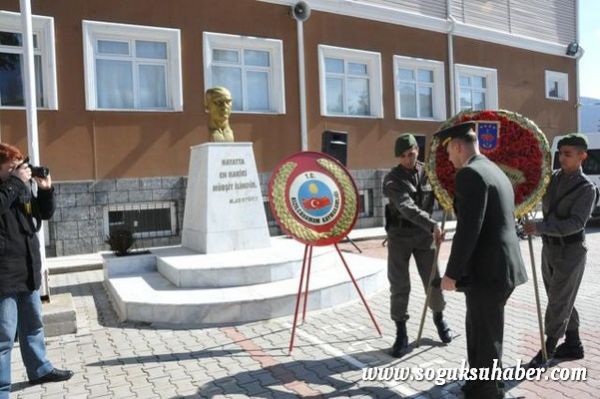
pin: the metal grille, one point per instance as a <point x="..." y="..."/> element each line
<point x="151" y="219"/>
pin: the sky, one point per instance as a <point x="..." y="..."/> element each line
<point x="589" y="36"/>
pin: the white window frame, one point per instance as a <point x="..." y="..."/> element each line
<point x="274" y="47"/>
<point x="373" y="61"/>
<point x="563" y="85"/>
<point x="94" y="30"/>
<point x="43" y="28"/>
<point x="491" y="76"/>
<point x="438" y="87"/>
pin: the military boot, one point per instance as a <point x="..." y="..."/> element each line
<point x="400" y="347"/>
<point x="571" y="348"/>
<point x="443" y="330"/>
<point x="538" y="360"/>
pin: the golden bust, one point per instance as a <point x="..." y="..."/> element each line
<point x="218" y="104"/>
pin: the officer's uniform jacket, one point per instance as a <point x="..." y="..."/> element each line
<point x="485" y="248"/>
<point x="410" y="199"/>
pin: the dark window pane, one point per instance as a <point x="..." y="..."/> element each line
<point x="11" y="82"/>
<point x="11" y="39"/>
<point x="591" y="165"/>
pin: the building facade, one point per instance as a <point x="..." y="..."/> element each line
<point x="120" y="90"/>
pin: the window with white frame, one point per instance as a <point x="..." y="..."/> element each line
<point x="132" y="67"/>
<point x="250" y="67"/>
<point x="12" y="62"/>
<point x="420" y="89"/>
<point x="557" y="85"/>
<point x="350" y="82"/>
<point x="476" y="87"/>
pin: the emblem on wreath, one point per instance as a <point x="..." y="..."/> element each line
<point x="512" y="141"/>
<point x="313" y="198"/>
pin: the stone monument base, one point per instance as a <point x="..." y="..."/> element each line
<point x="178" y="286"/>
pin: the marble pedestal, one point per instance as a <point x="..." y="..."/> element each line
<point x="224" y="208"/>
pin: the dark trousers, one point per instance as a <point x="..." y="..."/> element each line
<point x="485" y="333"/>
<point x="562" y="271"/>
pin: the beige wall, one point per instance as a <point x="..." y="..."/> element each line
<point x="79" y="144"/>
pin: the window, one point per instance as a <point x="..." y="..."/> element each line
<point x="144" y="220"/>
<point x="477" y="88"/>
<point x="365" y="203"/>
<point x="350" y="82"/>
<point x="421" y="142"/>
<point x="132" y="68"/>
<point x="12" y="64"/>
<point x="557" y="86"/>
<point x="420" y="89"/>
<point x="250" y="67"/>
<point x="591" y="166"/>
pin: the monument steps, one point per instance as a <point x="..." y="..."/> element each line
<point x="186" y="268"/>
<point x="147" y="296"/>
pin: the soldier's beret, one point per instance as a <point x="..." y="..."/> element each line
<point x="574" y="139"/>
<point x="452" y="132"/>
<point x="404" y="142"/>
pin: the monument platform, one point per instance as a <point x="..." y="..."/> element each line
<point x="179" y="286"/>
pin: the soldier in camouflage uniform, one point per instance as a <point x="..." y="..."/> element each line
<point x="567" y="206"/>
<point x="411" y="231"/>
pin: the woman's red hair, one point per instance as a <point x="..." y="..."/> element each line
<point x="9" y="153"/>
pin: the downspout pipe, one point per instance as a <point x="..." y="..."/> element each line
<point x="302" y="85"/>
<point x="451" y="26"/>
<point x="577" y="58"/>
<point x="31" y="115"/>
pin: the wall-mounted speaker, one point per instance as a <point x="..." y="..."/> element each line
<point x="300" y="11"/>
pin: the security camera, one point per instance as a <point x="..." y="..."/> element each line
<point x="300" y="11"/>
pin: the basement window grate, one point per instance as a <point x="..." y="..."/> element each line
<point x="145" y="220"/>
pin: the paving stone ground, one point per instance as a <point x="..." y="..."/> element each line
<point x="131" y="360"/>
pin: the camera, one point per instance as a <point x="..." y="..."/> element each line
<point x="37" y="171"/>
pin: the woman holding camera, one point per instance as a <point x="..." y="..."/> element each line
<point x="20" y="269"/>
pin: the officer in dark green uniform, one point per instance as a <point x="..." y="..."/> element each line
<point x="567" y="206"/>
<point x="411" y="232"/>
<point x="485" y="259"/>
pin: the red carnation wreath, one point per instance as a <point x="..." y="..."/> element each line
<point x="513" y="142"/>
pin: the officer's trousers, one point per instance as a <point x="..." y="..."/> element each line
<point x="484" y="324"/>
<point x="562" y="271"/>
<point x="402" y="244"/>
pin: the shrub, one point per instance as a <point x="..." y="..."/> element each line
<point x="120" y="241"/>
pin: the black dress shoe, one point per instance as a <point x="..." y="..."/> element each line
<point x="55" y="375"/>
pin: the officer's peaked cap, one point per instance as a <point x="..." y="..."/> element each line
<point x="453" y="132"/>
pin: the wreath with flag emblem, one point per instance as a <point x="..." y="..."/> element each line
<point x="512" y="141"/>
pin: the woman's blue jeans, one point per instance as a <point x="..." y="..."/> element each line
<point x="23" y="313"/>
